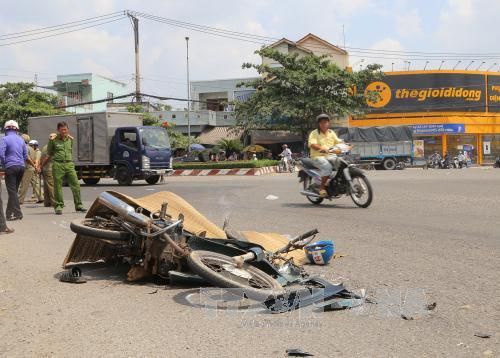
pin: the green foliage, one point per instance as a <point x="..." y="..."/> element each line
<point x="228" y="164"/>
<point x="147" y="118"/>
<point x="230" y="145"/>
<point x="291" y="96"/>
<point x="177" y="139"/>
<point x="19" y="101"/>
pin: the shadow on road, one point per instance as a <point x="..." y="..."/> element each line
<point x="308" y="205"/>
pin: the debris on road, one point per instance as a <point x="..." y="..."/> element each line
<point x="153" y="292"/>
<point x="297" y="352"/>
<point x="272" y="197"/>
<point x="482" y="335"/>
<point x="73" y="275"/>
<point x="432" y="306"/>
<point x="407" y="318"/>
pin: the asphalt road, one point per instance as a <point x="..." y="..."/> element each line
<point x="429" y="236"/>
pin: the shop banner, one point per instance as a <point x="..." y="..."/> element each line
<point x="494" y="93"/>
<point x="418" y="148"/>
<point x="438" y="129"/>
<point x="429" y="92"/>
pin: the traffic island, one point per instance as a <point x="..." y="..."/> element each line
<point x="241" y="168"/>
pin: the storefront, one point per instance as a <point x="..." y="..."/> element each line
<point x="450" y="111"/>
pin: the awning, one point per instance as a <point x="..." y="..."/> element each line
<point x="262" y="136"/>
<point x="212" y="136"/>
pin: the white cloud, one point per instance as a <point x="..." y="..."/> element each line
<point x="408" y="24"/>
<point x="469" y="26"/>
<point x="388" y="44"/>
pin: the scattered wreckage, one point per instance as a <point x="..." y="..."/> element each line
<point x="163" y="235"/>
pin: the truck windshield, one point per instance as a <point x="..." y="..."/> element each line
<point x="156" y="138"/>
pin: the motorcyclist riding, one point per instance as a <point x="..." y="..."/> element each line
<point x="286" y="156"/>
<point x="320" y="141"/>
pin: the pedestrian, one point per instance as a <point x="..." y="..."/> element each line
<point x="48" y="178"/>
<point x="60" y="150"/>
<point x="4" y="229"/>
<point x="30" y="175"/>
<point x="13" y="154"/>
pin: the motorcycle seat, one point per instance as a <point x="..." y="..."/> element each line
<point x="308" y="163"/>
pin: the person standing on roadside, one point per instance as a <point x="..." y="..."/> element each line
<point x="29" y="176"/>
<point x="13" y="154"/>
<point x="48" y="178"/>
<point x="60" y="150"/>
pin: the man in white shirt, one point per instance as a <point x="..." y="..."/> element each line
<point x="286" y="154"/>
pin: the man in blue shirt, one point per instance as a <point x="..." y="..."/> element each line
<point x="13" y="155"/>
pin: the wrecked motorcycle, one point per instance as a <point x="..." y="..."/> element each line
<point x="154" y="243"/>
<point x="347" y="179"/>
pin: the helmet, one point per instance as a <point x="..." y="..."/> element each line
<point x="323" y="116"/>
<point x="33" y="142"/>
<point x="26" y="138"/>
<point x="11" y="125"/>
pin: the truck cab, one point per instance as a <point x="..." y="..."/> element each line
<point x="140" y="153"/>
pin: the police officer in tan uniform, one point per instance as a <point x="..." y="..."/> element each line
<point x="48" y="178"/>
<point x="29" y="172"/>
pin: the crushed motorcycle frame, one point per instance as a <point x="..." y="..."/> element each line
<point x="175" y="247"/>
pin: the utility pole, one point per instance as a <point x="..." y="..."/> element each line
<point x="188" y="95"/>
<point x="135" y="25"/>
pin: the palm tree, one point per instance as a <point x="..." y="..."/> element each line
<point x="230" y="145"/>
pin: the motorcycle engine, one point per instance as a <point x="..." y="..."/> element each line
<point x="337" y="187"/>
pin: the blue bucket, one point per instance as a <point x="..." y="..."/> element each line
<point x="320" y="252"/>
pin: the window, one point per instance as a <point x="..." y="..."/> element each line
<point x="174" y="116"/>
<point x="129" y="138"/>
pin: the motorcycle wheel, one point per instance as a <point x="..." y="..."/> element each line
<point x="312" y="199"/>
<point x="363" y="190"/>
<point x="221" y="271"/>
<point x="98" y="229"/>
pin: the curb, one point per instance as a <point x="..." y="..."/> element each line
<point x="235" y="171"/>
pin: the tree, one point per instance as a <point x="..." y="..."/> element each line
<point x="147" y="118"/>
<point x="230" y="145"/>
<point x="19" y="101"/>
<point x="177" y="139"/>
<point x="292" y="95"/>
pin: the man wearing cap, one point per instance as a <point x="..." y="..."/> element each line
<point x="48" y="178"/>
<point x="13" y="155"/>
<point x="30" y="174"/>
<point x="60" y="150"/>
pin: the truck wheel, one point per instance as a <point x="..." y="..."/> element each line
<point x="389" y="164"/>
<point x="91" y="181"/>
<point x="123" y="176"/>
<point x="152" y="180"/>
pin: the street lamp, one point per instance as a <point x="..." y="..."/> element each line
<point x="469" y="65"/>
<point x="458" y="63"/>
<point x="489" y="68"/>
<point x="478" y="67"/>
<point x="443" y="61"/>
<point x="188" y="95"/>
<point x="392" y="69"/>
<point x="426" y="63"/>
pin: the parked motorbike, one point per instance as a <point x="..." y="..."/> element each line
<point x="497" y="163"/>
<point x="283" y="167"/>
<point x="157" y="244"/>
<point x="346" y="180"/>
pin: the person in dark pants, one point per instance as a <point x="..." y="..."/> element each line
<point x="13" y="154"/>
<point x="3" y="224"/>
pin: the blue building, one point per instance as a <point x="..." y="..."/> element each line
<point x="87" y="87"/>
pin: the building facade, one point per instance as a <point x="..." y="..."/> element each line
<point x="86" y="87"/>
<point x="449" y="111"/>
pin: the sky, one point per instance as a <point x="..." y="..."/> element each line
<point x="463" y="26"/>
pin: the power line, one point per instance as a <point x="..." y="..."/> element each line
<point x="57" y="28"/>
<point x="62" y="33"/>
